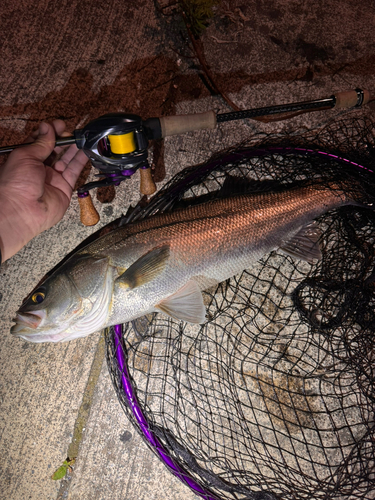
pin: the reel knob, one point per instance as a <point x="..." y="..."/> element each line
<point x="147" y="184"/>
<point x="88" y="214"/>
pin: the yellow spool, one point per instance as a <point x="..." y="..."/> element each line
<point x="122" y="144"/>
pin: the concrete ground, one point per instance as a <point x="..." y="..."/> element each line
<point x="77" y="60"/>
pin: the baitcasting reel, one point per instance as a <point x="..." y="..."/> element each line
<point x="117" y="145"/>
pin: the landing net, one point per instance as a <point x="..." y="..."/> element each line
<point x="272" y="398"/>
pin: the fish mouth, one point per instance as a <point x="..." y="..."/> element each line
<point x="27" y="323"/>
<point x="31" y="327"/>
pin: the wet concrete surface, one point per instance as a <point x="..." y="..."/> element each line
<point x="79" y="60"/>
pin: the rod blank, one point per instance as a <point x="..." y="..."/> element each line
<point x="63" y="141"/>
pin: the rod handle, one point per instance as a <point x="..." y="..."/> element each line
<point x="147" y="184"/>
<point x="174" y="125"/>
<point x="88" y="213"/>
<point x="352" y="98"/>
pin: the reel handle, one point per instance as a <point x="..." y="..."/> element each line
<point x="147" y="185"/>
<point x="88" y="214"/>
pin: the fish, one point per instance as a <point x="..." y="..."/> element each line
<point x="164" y="262"/>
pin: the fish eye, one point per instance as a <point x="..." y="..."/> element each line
<point x="38" y="297"/>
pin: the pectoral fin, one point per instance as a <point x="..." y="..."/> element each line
<point x="145" y="269"/>
<point x="186" y="304"/>
<point x="305" y="244"/>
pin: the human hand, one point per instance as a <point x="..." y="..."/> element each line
<point x="34" y="196"/>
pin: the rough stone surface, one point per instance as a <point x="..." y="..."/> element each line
<point x="78" y="60"/>
<point x="100" y="473"/>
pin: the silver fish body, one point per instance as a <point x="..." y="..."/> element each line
<point x="162" y="263"/>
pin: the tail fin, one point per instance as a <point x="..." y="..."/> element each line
<point x="354" y="192"/>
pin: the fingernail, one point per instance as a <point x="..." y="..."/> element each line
<point x="43" y="128"/>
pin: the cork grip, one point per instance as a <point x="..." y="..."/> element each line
<point x="349" y="99"/>
<point x="88" y="214"/>
<point x="173" y="125"/>
<point x="147" y="185"/>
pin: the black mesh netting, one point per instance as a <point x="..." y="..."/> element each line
<point x="272" y="398"/>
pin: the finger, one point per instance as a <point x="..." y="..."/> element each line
<point x="59" y="127"/>
<point x="66" y="158"/>
<point x="69" y="150"/>
<point x="61" y="190"/>
<point x="60" y="131"/>
<point x="32" y="136"/>
<point x="74" y="168"/>
<point x="42" y="147"/>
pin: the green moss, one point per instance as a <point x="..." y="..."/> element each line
<point x="63" y="469"/>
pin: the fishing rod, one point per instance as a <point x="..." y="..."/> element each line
<point x="117" y="143"/>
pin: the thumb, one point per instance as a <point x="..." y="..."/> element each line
<point x="44" y="144"/>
